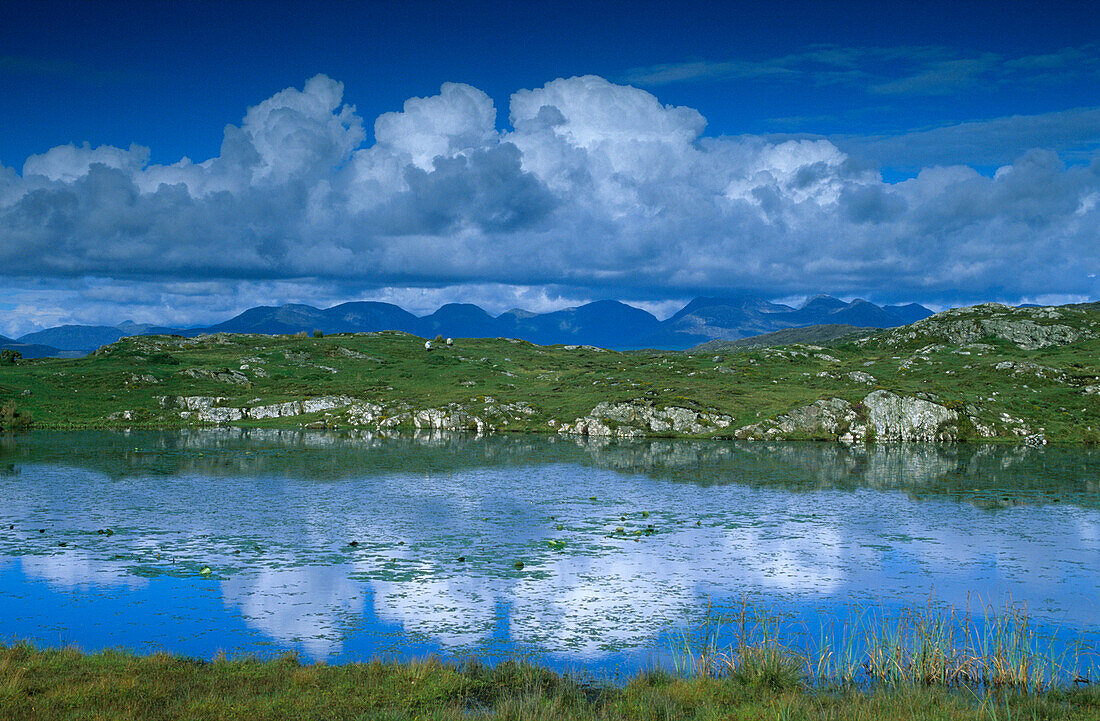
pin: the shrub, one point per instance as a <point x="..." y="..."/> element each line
<point x="163" y="359"/>
<point x="8" y="356"/>
<point x="318" y="334"/>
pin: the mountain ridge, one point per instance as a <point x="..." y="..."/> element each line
<point x="603" y="323"/>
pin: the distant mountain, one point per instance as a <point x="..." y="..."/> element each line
<point x="459" y="320"/>
<point x="910" y="312"/>
<point x="729" y="319"/>
<point x="75" y="337"/>
<point x="31" y="350"/>
<point x="605" y="323"/>
<point x="365" y="316"/>
<point x="270" y="320"/>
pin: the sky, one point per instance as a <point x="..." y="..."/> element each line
<point x="176" y="163"/>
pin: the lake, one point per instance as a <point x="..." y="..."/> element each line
<point x="579" y="553"/>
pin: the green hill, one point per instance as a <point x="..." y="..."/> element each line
<point x="987" y="372"/>
<point x="788" y="336"/>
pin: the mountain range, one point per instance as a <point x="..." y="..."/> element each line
<point x="605" y="323"/>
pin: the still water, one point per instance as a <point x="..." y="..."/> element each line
<point x="105" y="539"/>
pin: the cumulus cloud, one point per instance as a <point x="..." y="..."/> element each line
<point x="595" y="190"/>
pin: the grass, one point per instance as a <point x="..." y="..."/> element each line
<point x="119" y="386"/>
<point x="67" y="684"/>
<point x="932" y="646"/>
<point x="926" y="664"/>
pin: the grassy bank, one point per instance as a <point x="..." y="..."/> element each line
<point x="932" y="663"/>
<point x="66" y="684"/>
<point x="1007" y="374"/>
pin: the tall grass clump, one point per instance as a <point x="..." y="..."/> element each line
<point x="932" y="646"/>
<point x="756" y="657"/>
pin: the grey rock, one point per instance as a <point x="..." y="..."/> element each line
<point x="882" y="416"/>
<point x="638" y="418"/>
<point x="902" y="418"/>
<point x="226" y="375"/>
<point x="1027" y="328"/>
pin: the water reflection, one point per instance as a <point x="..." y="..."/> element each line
<point x="131" y="519"/>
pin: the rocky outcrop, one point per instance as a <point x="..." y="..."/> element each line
<point x="881" y="416"/>
<point x="1027" y="328"/>
<point x="861" y="377"/>
<point x="902" y="418"/>
<point x="143" y="379"/>
<point x="830" y="418"/>
<point x="212" y="409"/>
<point x="639" y="418"/>
<point x="226" y="375"/>
<point x="1019" y="368"/>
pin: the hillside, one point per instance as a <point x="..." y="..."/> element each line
<point x="988" y="372"/>
<point x="809" y="334"/>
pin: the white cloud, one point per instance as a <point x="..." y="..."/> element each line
<point x="597" y="190"/>
<point x="460" y="118"/>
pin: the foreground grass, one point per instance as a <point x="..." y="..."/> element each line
<point x="66" y="684"/>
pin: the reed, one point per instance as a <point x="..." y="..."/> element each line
<point x="931" y="646"/>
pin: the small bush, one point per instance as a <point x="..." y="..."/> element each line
<point x="8" y="356"/>
<point x="318" y="334"/>
<point x="163" y="359"/>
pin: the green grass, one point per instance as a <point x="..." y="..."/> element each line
<point x="67" y="684"/>
<point x="119" y="385"/>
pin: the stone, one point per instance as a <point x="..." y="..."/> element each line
<point x="639" y="418"/>
<point x="881" y="415"/>
<point x="226" y="375"/>
<point x="903" y="418"/>
<point x="1023" y="327"/>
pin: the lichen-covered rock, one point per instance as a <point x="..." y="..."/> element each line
<point x="143" y="379"/>
<point x="225" y="375"/>
<point x="903" y="418"/>
<point x="861" y="377"/>
<point x="638" y="418"/>
<point x="1028" y="368"/>
<point x="828" y="418"/>
<point x="881" y="415"/>
<point x="211" y="409"/>
<point x="1027" y="328"/>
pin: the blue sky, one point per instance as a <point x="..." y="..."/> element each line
<point x="938" y="152"/>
